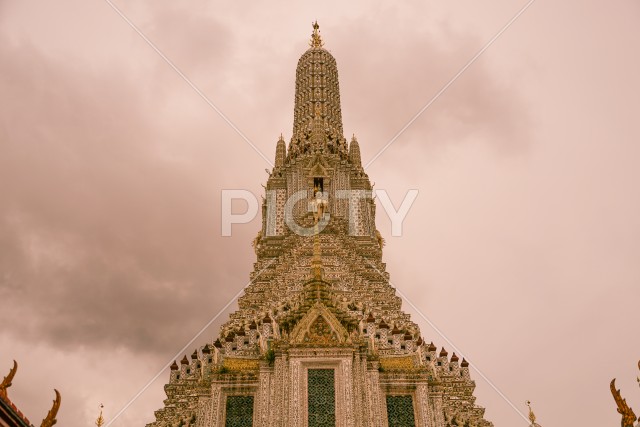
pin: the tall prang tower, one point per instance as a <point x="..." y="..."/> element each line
<point x="320" y="339"/>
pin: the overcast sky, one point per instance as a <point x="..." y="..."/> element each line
<point x="523" y="246"/>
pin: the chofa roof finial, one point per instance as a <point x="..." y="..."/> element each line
<point x="50" y="420"/>
<point x="6" y="382"/>
<point x="628" y="416"/>
<point x="316" y="40"/>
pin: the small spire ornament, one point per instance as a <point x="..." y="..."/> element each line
<point x="316" y="40"/>
<point x="100" y="420"/>
<point x="532" y="416"/>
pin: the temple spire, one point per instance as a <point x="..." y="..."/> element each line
<point x="281" y="152"/>
<point x="354" y="152"/>
<point x="317" y="91"/>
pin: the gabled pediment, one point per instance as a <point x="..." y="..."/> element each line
<point x="318" y="167"/>
<point x="319" y="326"/>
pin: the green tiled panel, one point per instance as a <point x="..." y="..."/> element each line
<point x="322" y="397"/>
<point x="239" y="411"/>
<point x="400" y="411"/>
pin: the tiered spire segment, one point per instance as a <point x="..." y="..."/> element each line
<point x="354" y="152"/>
<point x="281" y="152"/>
<point x="317" y="99"/>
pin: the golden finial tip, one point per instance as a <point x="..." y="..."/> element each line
<point x="316" y="40"/>
<point x="100" y="420"/>
<point x="532" y="416"/>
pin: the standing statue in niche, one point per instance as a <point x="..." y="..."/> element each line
<point x="320" y="203"/>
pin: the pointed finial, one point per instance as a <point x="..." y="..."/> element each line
<point x="628" y="416"/>
<point x="6" y="382"/>
<point x="316" y="40"/>
<point x="50" y="419"/>
<point x="100" y="420"/>
<point x="532" y="416"/>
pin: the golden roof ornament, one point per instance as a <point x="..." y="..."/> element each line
<point x="50" y="419"/>
<point x="628" y="416"/>
<point x="532" y="416"/>
<point x="100" y="420"/>
<point x="6" y="382"/>
<point x="316" y="40"/>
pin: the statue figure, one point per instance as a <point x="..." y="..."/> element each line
<point x="330" y="146"/>
<point x="380" y="239"/>
<point x="448" y="417"/>
<point x="322" y="200"/>
<point x="256" y="242"/>
<point x="458" y="420"/>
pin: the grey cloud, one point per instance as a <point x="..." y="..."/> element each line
<point x="100" y="243"/>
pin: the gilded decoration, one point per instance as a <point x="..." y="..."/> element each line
<point x="50" y="419"/>
<point x="628" y="416"/>
<point x="319" y="326"/>
<point x="316" y="40"/>
<point x="237" y="364"/>
<point x="404" y="363"/>
<point x="6" y="382"/>
<point x="320" y="332"/>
